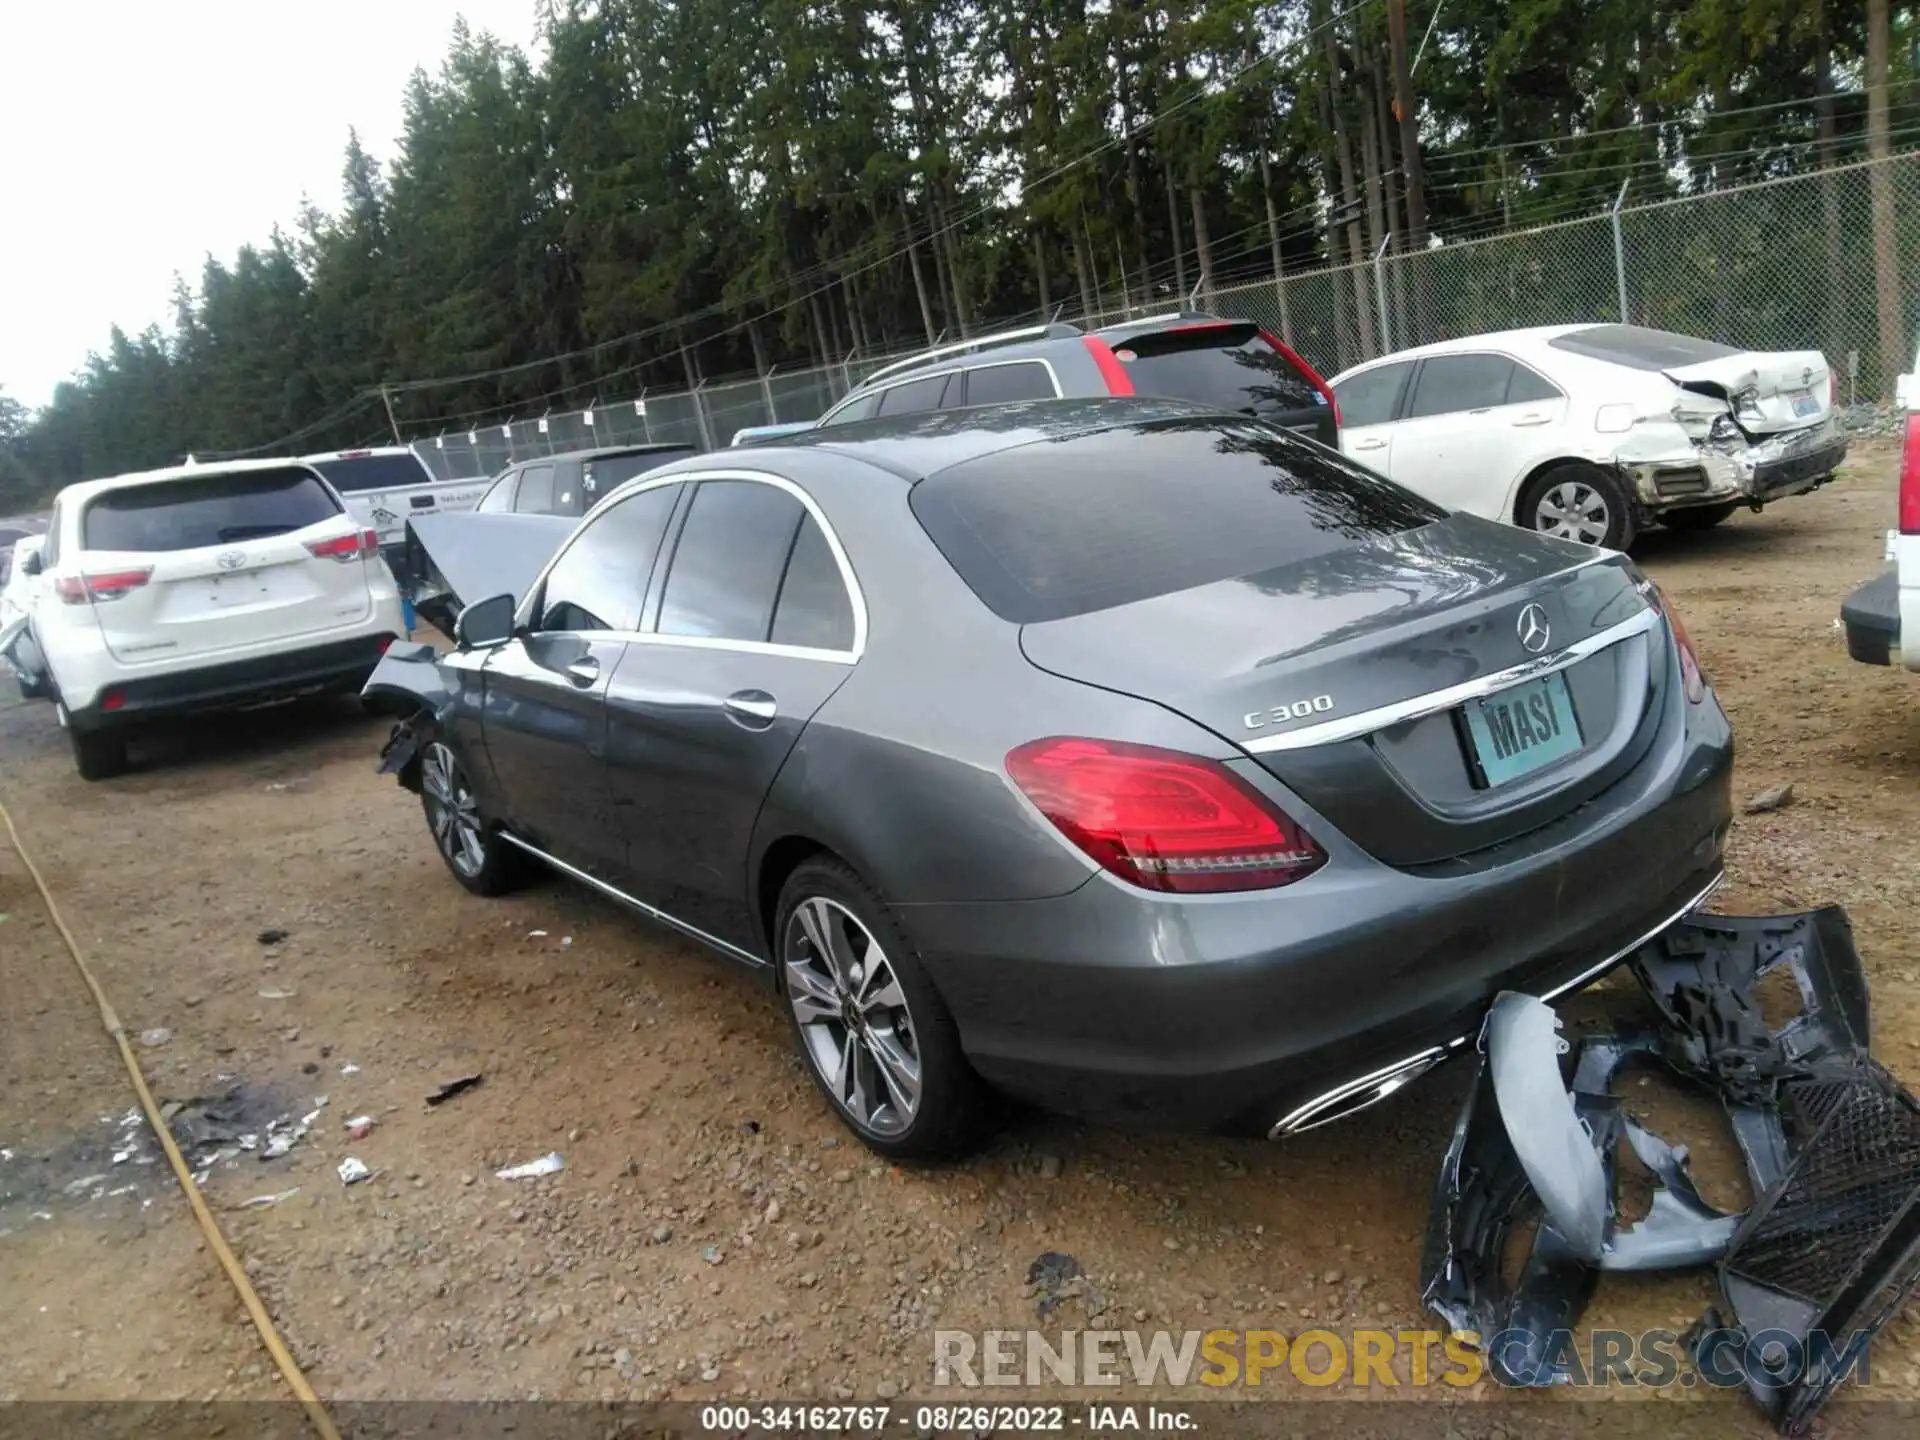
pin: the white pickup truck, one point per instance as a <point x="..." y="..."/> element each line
<point x="386" y="487"/>
<point x="1880" y="611"/>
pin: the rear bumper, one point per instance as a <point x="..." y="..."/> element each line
<point x="1871" y="615"/>
<point x="1713" y="473"/>
<point x="235" y="685"/>
<point x="1239" y="1013"/>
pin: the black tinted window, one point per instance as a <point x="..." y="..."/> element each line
<point x="205" y="510"/>
<point x="1450" y="384"/>
<point x="860" y="408"/>
<point x="1529" y="385"/>
<point x="727" y="566"/>
<point x="499" y="496"/>
<point x="1004" y="384"/>
<point x="601" y="580"/>
<point x="372" y="472"/>
<point x="609" y="470"/>
<point x="1640" y="348"/>
<point x="914" y="395"/>
<point x="536" y="491"/>
<point x="1372" y="397"/>
<point x="1059" y="528"/>
<point x="1231" y="366"/>
<point x="814" y="608"/>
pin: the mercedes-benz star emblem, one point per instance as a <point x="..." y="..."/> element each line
<point x="231" y="559"/>
<point x="1534" y="631"/>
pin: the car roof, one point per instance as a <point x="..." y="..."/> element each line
<point x="918" y="445"/>
<point x="87" y="489"/>
<point x="364" y="452"/>
<point x="1527" y="341"/>
<point x="602" y="452"/>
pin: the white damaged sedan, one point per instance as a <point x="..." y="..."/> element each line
<point x="1589" y="432"/>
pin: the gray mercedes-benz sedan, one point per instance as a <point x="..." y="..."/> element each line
<point x="1138" y="760"/>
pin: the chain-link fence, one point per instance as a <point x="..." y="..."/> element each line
<point x="1788" y="264"/>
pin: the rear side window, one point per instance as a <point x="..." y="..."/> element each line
<point x="814" y="608"/>
<point x="1454" y="384"/>
<point x="1006" y="384"/>
<point x="1233" y="367"/>
<point x="610" y="470"/>
<point x="1373" y="396"/>
<point x="536" y="491"/>
<point x="1639" y="348"/>
<point x="203" y="510"/>
<point x="729" y="560"/>
<point x="912" y="396"/>
<point x="601" y="580"/>
<point x="1527" y="386"/>
<point x="499" y="496"/>
<point x="1064" y="527"/>
<point x="351" y="473"/>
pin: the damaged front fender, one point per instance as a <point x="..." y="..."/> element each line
<point x="413" y="680"/>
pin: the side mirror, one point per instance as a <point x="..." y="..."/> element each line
<point x="30" y="563"/>
<point x="486" y="623"/>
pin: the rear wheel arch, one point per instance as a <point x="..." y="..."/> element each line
<point x="1623" y="506"/>
<point x="1525" y="482"/>
<point x="780" y="859"/>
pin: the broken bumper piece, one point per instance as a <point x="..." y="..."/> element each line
<point x="1831" y="1143"/>
<point x="1715" y="471"/>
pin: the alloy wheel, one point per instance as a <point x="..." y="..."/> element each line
<point x="1573" y="510"/>
<point x="452" y="812"/>
<point x="853" y="1016"/>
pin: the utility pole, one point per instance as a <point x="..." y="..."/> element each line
<point x="1404" y="112"/>
<point x="392" y="424"/>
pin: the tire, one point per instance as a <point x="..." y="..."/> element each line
<point x="1579" y="501"/>
<point x="98" y="754"/>
<point x="1697" y="517"/>
<point x="471" y="847"/>
<point x="912" y="1094"/>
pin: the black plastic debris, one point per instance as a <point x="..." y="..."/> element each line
<point x="271" y="936"/>
<point x="454" y="1087"/>
<point x="1822" y="1260"/>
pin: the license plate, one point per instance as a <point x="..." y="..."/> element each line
<point x="1522" y="729"/>
<point x="1804" y="402"/>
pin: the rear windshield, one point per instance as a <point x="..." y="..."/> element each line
<point x="1640" y="349"/>
<point x="373" y="472"/>
<point x="205" y="510"/>
<point x="1057" y="528"/>
<point x="609" y="470"/>
<point x="1229" y="366"/>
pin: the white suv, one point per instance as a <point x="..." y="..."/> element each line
<point x="207" y="587"/>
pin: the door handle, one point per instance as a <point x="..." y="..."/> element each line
<point x="1533" y="420"/>
<point x="754" y="709"/>
<point x="584" y="672"/>
<point x="1369" y="444"/>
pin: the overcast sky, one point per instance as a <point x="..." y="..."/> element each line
<point x="141" y="135"/>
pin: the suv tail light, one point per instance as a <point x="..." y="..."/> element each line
<point x="1160" y="819"/>
<point x="346" y="547"/>
<point x="1293" y="359"/>
<point x="1910" y="478"/>
<point x="108" y="585"/>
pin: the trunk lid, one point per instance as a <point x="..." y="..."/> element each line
<point x="1769" y="391"/>
<point x="1348" y="676"/>
<point x="213" y="563"/>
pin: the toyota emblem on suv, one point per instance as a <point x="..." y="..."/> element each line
<point x="230" y="559"/>
<point x="1534" y="631"/>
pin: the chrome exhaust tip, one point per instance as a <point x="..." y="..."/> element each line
<point x="1357" y="1095"/>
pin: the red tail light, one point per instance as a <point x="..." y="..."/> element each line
<point x="1293" y="358"/>
<point x="1115" y="375"/>
<point x="1910" y="478"/>
<point x="1160" y="819"/>
<point x="109" y="585"/>
<point x="346" y="547"/>
<point x="113" y="700"/>
<point x="1692" y="678"/>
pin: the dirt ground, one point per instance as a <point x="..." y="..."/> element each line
<point x="715" y="1233"/>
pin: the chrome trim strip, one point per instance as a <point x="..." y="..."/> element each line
<point x="613" y="893"/>
<point x="1390" y="1078"/>
<point x="1349" y="727"/>
<point x="855" y="595"/>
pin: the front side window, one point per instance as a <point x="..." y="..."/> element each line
<point x="536" y="491"/>
<point x="860" y="407"/>
<point x="1373" y="396"/>
<point x="910" y="397"/>
<point x="499" y="497"/>
<point x="729" y="561"/>
<point x="599" y="583"/>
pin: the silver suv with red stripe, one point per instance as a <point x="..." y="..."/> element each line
<point x="1231" y="365"/>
